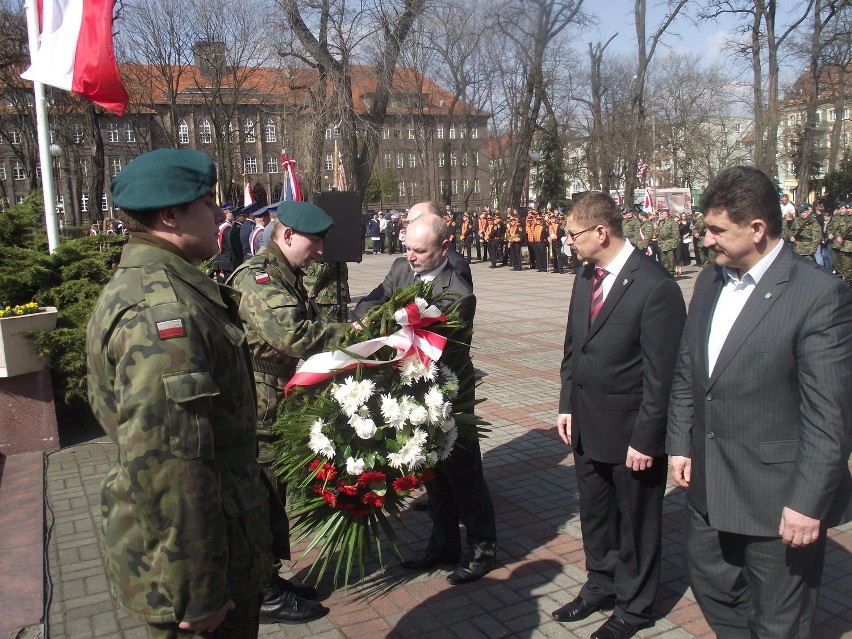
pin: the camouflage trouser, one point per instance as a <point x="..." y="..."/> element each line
<point x="843" y="264"/>
<point x="243" y="622"/>
<point x="669" y="259"/>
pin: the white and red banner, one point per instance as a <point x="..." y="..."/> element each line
<point x="648" y="207"/>
<point x="76" y="52"/>
<point x="410" y="339"/>
<point x="291" y="191"/>
<point x="248" y="195"/>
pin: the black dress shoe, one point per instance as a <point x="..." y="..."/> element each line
<point x="285" y="607"/>
<point x="300" y="590"/>
<point x="616" y="628"/>
<point x="575" y="610"/>
<point x="427" y="562"/>
<point x="476" y="569"/>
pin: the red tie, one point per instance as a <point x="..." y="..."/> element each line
<point x="597" y="293"/>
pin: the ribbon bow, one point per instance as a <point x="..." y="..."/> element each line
<point x="410" y="339"/>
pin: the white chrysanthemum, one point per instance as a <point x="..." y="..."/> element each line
<point x="411" y="454"/>
<point x="434" y="398"/>
<point x="449" y="424"/>
<point x="418" y="415"/>
<point x="351" y="395"/>
<point x="320" y="444"/>
<point x="410" y="369"/>
<point x="364" y="427"/>
<point x="450" y="437"/>
<point x="354" y="466"/>
<point x="430" y="372"/>
<point x="406" y="404"/>
<point x="392" y="412"/>
<point x="317" y="426"/>
<point x="447" y="410"/>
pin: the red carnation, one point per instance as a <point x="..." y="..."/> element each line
<point x="326" y="473"/>
<point x="329" y="497"/>
<point x="374" y="500"/>
<point x="314" y="465"/>
<point x="371" y="477"/>
<point x="406" y="483"/>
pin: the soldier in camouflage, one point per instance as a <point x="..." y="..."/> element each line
<point x="283" y="326"/>
<point x="320" y="280"/>
<point x="185" y="511"/>
<point x="668" y="234"/>
<point x="631" y="227"/>
<point x="806" y="234"/>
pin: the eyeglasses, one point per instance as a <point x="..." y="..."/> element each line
<point x="574" y="236"/>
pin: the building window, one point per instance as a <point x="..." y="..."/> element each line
<point x="465" y="185"/>
<point x="204" y="132"/>
<point x="183" y="132"/>
<point x="452" y="131"/>
<point x="16" y="137"/>
<point x="844" y="140"/>
<point x="402" y="189"/>
<point x="248" y="129"/>
<point x="114" y="166"/>
<point x="410" y="134"/>
<point x="386" y="133"/>
<point x="412" y="160"/>
<point x="387" y="158"/>
<point x="476" y="187"/>
<point x="104" y="203"/>
<point x="454" y="159"/>
<point x="441" y="158"/>
<point x="249" y="166"/>
<point x="18" y="172"/>
<point x="112" y="132"/>
<point x="272" y="165"/>
<point x="328" y="134"/>
<point x="397" y="134"/>
<point x="400" y="160"/>
<point x="329" y="162"/>
<point x="791" y="120"/>
<point x="38" y="172"/>
<point x="269" y="132"/>
<point x="77" y="133"/>
<point x="442" y="187"/>
<point x="129" y="133"/>
<point x="439" y="131"/>
<point x="84" y="203"/>
<point x="462" y="132"/>
<point x="455" y="186"/>
<point x="832" y="115"/>
<point x="737" y="127"/>
<point x="475" y="157"/>
<point x="464" y="159"/>
<point x="474" y="133"/>
<point x="412" y="189"/>
<point x="2" y="171"/>
<point x="846" y="114"/>
<point x="84" y="168"/>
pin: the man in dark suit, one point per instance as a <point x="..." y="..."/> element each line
<point x="624" y="324"/>
<point x="457" y="261"/>
<point x="458" y="490"/>
<point x="759" y="419"/>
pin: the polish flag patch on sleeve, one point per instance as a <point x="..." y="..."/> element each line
<point x="262" y="278"/>
<point x="170" y="329"/>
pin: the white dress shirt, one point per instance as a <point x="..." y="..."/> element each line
<point x="614" y="267"/>
<point x="732" y="299"/>
<point x="431" y="275"/>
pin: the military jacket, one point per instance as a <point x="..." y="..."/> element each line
<point x="699" y="227"/>
<point x="185" y="515"/>
<point x="667" y="235"/>
<point x="808" y="236"/>
<point x="320" y="281"/>
<point x="646" y="234"/>
<point x="631" y="230"/>
<point x="281" y="325"/>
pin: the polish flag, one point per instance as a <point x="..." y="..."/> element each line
<point x="76" y="53"/>
<point x="248" y="195"/>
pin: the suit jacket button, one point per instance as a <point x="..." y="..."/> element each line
<point x="709" y="397"/>
<point x="711" y="435"/>
<point x="583" y="352"/>
<point x="580" y="386"/>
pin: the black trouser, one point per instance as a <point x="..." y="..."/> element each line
<point x="468" y="243"/>
<point x="515" y="255"/>
<point x="478" y="245"/>
<point x="493" y="252"/>
<point x="540" y="252"/>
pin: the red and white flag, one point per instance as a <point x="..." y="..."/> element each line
<point x="648" y="207"/>
<point x="248" y="195"/>
<point x="76" y="53"/>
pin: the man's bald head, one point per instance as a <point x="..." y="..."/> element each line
<point x="426" y="243"/>
<point x="421" y="208"/>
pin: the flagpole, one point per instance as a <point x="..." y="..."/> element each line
<point x="43" y="136"/>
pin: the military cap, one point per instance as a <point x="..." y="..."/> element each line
<point x="266" y="210"/>
<point x="304" y="217"/>
<point x="162" y="178"/>
<point x="803" y="207"/>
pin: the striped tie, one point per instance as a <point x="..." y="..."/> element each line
<point x="597" y="293"/>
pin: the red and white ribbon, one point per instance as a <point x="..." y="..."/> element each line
<point x="408" y="340"/>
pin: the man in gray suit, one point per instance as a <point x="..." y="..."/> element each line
<point x="759" y="418"/>
<point x="458" y="490"/>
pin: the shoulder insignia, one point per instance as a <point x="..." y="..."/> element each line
<point x="262" y="278"/>
<point x="171" y="328"/>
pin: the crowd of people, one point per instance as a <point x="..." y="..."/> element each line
<point x="747" y="407"/>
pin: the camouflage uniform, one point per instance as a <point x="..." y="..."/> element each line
<point x="667" y="237"/>
<point x="808" y="235"/>
<point x="843" y="242"/>
<point x="631" y="230"/>
<point x="705" y="255"/>
<point x="186" y="518"/>
<point x="282" y="327"/>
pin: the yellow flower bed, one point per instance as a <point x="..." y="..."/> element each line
<point x="23" y="309"/>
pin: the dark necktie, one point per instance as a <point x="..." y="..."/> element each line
<point x="597" y="293"/>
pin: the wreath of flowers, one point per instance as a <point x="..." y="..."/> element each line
<point x="353" y="448"/>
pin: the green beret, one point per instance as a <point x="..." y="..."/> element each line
<point x="304" y="217"/>
<point x="162" y="178"/>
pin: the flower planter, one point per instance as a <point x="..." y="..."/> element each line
<point x="16" y="354"/>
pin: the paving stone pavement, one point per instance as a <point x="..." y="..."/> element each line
<point x="519" y="327"/>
